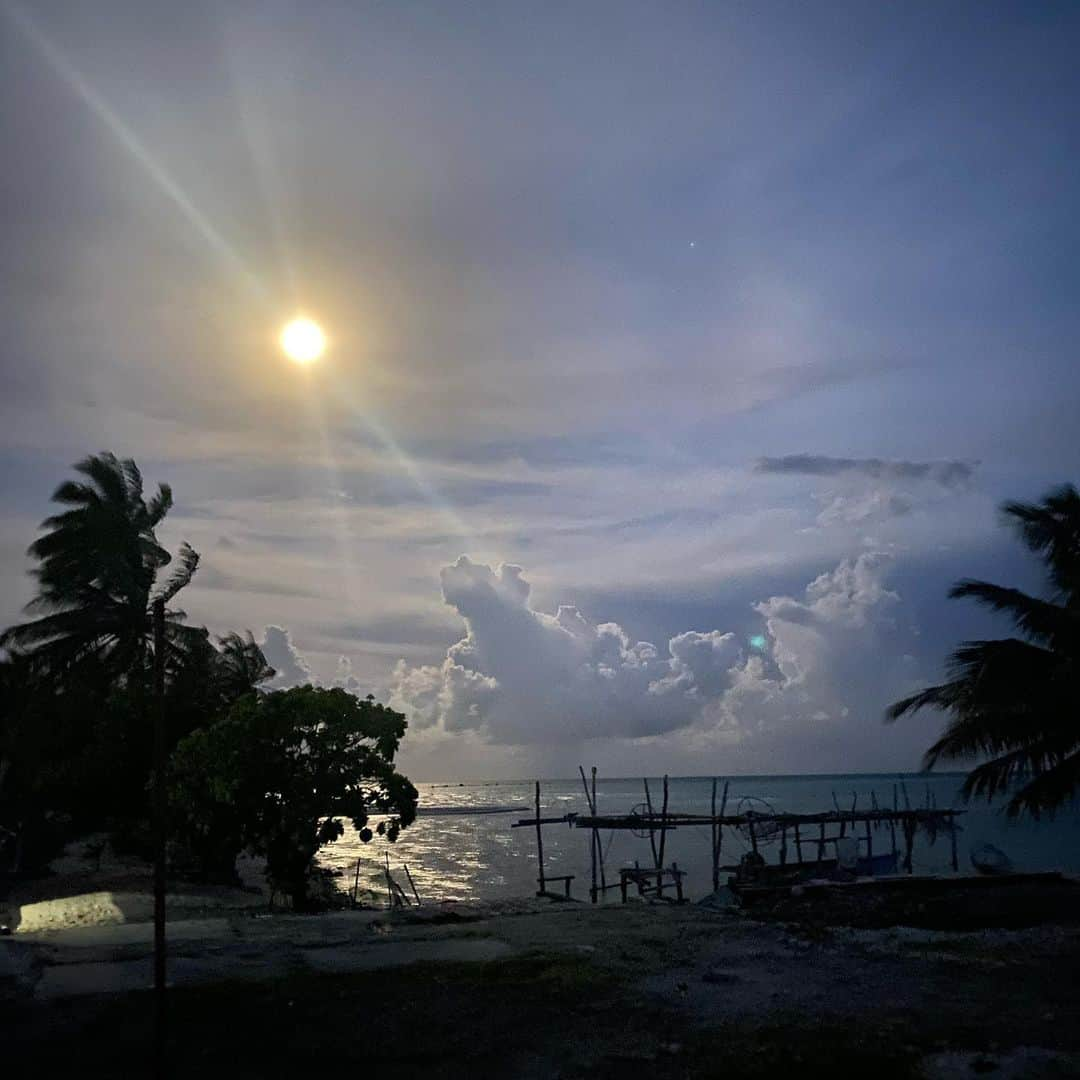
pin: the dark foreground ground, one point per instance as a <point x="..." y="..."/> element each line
<point x="632" y="991"/>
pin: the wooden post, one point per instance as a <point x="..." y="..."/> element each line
<point x="839" y="814"/>
<point x="798" y="844"/>
<point x="539" y="845"/>
<point x="753" y="834"/>
<point x="952" y="837"/>
<point x="412" y="884"/>
<point x="593" y="833"/>
<point x="596" y="833"/>
<point x="909" y="840"/>
<point x="892" y="821"/>
<point x="356" y="883"/>
<point x="712" y="836"/>
<point x="652" y="835"/>
<point x="821" y="843"/>
<point x="389" y="882"/>
<point x="783" y="846"/>
<point x="870" y="847"/>
<point x="678" y="882"/>
<point x="663" y="841"/>
<point x="160" y="1002"/>
<point x="718" y="840"/>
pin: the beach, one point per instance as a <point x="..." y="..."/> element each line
<point x="536" y="989"/>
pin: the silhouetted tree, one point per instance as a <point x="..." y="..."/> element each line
<point x="279" y="772"/>
<point x="241" y="666"/>
<point x="1016" y="701"/>
<point x="97" y="575"/>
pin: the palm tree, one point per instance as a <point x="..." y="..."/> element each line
<point x="1016" y="701"/>
<point x="97" y="578"/>
<point x="241" y="666"/>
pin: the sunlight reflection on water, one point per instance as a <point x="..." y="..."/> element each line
<point x="481" y="857"/>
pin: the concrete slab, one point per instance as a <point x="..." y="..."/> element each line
<point x="244" y="961"/>
<point x="140" y="933"/>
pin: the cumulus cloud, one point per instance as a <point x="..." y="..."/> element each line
<point x="282" y="655"/>
<point x="521" y="676"/>
<point x="524" y="676"/>
<point x="948" y="474"/>
<point x="836" y="657"/>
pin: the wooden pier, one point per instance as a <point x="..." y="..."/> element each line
<point x="807" y="837"/>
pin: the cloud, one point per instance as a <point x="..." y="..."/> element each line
<point x="866" y="490"/>
<point x="835" y="658"/>
<point x="524" y="676"/>
<point x="829" y="659"/>
<point x="282" y="655"/>
<point x="948" y="474"/>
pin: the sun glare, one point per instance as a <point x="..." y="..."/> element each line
<point x="303" y="341"/>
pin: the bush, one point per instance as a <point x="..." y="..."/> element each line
<point x="280" y="774"/>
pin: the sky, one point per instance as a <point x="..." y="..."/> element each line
<point x="680" y="355"/>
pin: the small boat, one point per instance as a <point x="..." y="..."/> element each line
<point x="446" y="811"/>
<point x="991" y="860"/>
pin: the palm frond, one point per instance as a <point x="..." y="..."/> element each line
<point x="1049" y="623"/>
<point x="1050" y="789"/>
<point x="159" y="505"/>
<point x="187" y="559"/>
<point x="1051" y="528"/>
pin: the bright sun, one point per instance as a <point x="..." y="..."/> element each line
<point x="303" y="340"/>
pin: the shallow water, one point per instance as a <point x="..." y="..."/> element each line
<point x="482" y="858"/>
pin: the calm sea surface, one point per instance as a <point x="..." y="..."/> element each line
<point x="483" y="858"/>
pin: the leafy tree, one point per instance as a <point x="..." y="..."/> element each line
<point x="1016" y="701"/>
<point x="99" y="562"/>
<point x="280" y="773"/>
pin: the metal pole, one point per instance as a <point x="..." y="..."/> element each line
<point x="160" y="1010"/>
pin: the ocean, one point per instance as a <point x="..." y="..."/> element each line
<point x="471" y="858"/>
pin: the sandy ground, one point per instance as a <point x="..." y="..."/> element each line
<point x="1010" y="993"/>
<point x="641" y="986"/>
